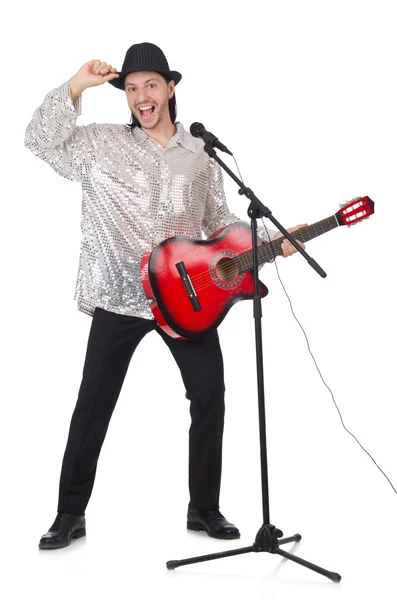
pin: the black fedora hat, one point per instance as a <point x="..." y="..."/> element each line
<point x="144" y="57"/>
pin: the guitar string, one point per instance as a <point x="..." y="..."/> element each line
<point x="246" y="260"/>
<point x="204" y="279"/>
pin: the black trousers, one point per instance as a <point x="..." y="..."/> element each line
<point x="112" y="341"/>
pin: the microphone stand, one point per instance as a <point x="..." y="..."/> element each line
<point x="268" y="538"/>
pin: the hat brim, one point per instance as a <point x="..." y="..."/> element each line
<point x="119" y="81"/>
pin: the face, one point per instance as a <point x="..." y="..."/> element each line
<point x="148" y="94"/>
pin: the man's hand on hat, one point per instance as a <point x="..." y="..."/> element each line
<point x="92" y="73"/>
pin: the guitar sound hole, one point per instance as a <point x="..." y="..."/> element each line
<point x="226" y="269"/>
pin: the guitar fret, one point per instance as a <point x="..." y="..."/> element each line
<point x="269" y="250"/>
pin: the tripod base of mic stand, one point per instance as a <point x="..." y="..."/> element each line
<point x="267" y="540"/>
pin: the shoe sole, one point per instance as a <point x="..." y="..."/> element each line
<point x="198" y="527"/>
<point x="77" y="534"/>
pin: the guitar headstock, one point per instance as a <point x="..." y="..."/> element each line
<point x="356" y="210"/>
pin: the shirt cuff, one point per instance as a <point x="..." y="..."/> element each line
<point x="70" y="108"/>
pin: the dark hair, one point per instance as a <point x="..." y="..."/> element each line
<point x="171" y="107"/>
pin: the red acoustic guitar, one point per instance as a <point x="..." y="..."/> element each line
<point x="191" y="284"/>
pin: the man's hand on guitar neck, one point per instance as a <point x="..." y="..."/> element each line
<point x="286" y="246"/>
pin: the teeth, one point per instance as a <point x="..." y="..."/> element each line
<point x="146" y="107"/>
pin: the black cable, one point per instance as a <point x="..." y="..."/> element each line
<point x="311" y="354"/>
<point x="314" y="360"/>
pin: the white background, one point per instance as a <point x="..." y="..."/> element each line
<point x="304" y="94"/>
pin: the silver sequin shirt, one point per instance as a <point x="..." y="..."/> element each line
<point x="135" y="193"/>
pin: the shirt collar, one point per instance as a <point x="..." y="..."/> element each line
<point x="180" y="138"/>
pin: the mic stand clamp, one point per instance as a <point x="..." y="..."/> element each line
<point x="268" y="538"/>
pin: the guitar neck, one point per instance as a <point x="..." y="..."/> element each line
<point x="269" y="250"/>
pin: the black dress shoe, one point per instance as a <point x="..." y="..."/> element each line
<point x="213" y="522"/>
<point x="64" y="528"/>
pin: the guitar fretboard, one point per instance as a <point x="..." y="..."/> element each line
<point x="268" y="251"/>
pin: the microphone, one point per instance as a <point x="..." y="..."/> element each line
<point x="198" y="130"/>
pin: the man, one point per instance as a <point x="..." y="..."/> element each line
<point x="140" y="184"/>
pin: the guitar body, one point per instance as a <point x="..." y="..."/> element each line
<point x="215" y="280"/>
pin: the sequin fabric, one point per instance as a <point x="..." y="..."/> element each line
<point x="135" y="193"/>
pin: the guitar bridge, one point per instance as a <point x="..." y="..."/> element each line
<point x="188" y="285"/>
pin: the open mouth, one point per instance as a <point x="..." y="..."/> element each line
<point x="146" y="111"/>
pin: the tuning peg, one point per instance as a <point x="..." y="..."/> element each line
<point x="350" y="201"/>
